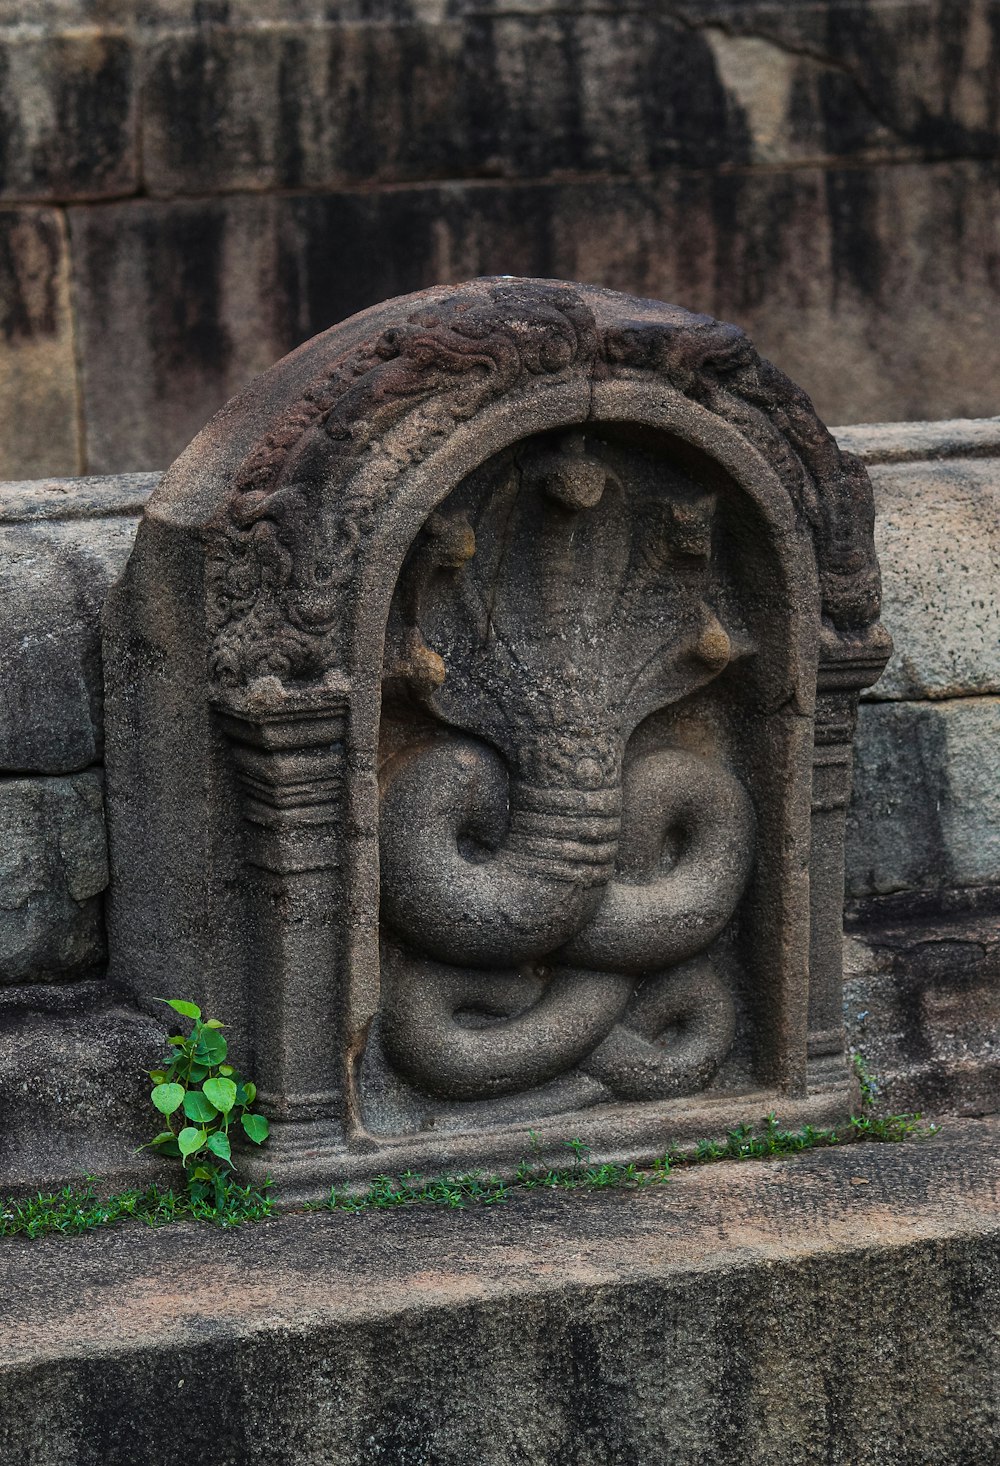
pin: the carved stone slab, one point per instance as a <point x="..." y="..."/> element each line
<point x="481" y="691"/>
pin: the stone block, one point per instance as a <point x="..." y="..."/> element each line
<point x="907" y="79"/>
<point x="910" y="442"/>
<point x="840" y="1307"/>
<point x="54" y="576"/>
<point x="74" y="1086"/>
<point x="503" y="95"/>
<point x="925" y="812"/>
<point x="922" y="1000"/>
<point x="116" y="496"/>
<point x="68" y="112"/>
<point x="38" y="388"/>
<point x="415" y="92"/>
<point x="938" y="534"/>
<point x="53" y="873"/>
<point x="180" y="303"/>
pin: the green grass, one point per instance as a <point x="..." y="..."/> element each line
<point x="76" y="1210"/>
<point x="743" y="1143"/>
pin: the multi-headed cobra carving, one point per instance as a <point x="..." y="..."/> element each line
<point x="549" y="900"/>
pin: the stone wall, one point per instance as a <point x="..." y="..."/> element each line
<point x="923" y="867"/>
<point x="189" y="189"/>
<point x="923" y="858"/>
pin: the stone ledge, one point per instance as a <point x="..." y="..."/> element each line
<point x="840" y="1307"/>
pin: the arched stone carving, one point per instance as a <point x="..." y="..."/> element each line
<point x="487" y="675"/>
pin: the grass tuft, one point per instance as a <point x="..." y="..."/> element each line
<point x="75" y="1210"/>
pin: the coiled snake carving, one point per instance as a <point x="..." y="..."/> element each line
<point x="549" y="902"/>
<point x="570" y="974"/>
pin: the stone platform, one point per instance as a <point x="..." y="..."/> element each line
<point x="839" y="1307"/>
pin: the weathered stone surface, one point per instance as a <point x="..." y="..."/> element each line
<point x="937" y="532"/>
<point x="74" y="1091"/>
<point x="181" y="303"/>
<point x="939" y="543"/>
<point x="761" y="161"/>
<point x="38" y="387"/>
<point x="494" y="91"/>
<point x="116" y="496"/>
<point x="840" y="1307"/>
<point x="922" y="999"/>
<point x="54" y="576"/>
<point x="53" y="873"/>
<point x="910" y="442"/>
<point x="925" y="812"/>
<point x="529" y="551"/>
<point x="67" y="113"/>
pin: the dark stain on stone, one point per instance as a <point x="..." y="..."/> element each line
<point x="856" y="247"/>
<point x="8" y="122"/>
<point x="290" y="156"/>
<point x="210" y="12"/>
<point x="30" y="256"/>
<point x="483" y="98"/>
<point x="183" y="253"/>
<point x="689" y="118"/>
<point x="848" y="126"/>
<point x="725" y="197"/>
<point x="188" y="90"/>
<point x="353" y="250"/>
<point x="92" y="110"/>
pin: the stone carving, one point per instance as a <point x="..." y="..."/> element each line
<point x="552" y="893"/>
<point x="496" y="658"/>
<point x="280" y="567"/>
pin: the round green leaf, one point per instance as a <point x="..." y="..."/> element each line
<point x="221" y="1092"/>
<point x="158" y="1076"/>
<point x="256" y="1127"/>
<point x="211" y="1047"/>
<point x="226" y="1069"/>
<point x="198" y="1107"/>
<point x="186" y="1010"/>
<point x="190" y="1140"/>
<point x="167" y="1097"/>
<point x="219" y="1145"/>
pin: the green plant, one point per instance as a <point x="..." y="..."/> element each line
<point x="74" y="1210"/>
<point x="867" y="1083"/>
<point x="200" y="1096"/>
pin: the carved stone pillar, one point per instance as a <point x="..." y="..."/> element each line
<point x="288" y="757"/>
<point x="846" y="666"/>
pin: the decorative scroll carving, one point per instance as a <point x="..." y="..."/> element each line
<point x="277" y="574"/>
<point x="280" y="563"/>
<point x="551" y="887"/>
